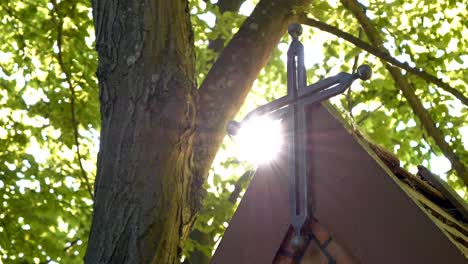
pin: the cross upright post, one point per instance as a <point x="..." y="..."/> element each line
<point x="298" y="179"/>
<point x="293" y="106"/>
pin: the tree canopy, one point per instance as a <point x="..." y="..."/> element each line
<point x="415" y="105"/>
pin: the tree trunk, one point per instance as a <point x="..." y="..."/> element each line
<point x="149" y="179"/>
<point x="148" y="109"/>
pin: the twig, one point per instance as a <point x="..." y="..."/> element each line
<point x="355" y="66"/>
<point x="368" y="114"/>
<point x="59" y="24"/>
<point x="384" y="55"/>
<point x="65" y="249"/>
<point x="239" y="186"/>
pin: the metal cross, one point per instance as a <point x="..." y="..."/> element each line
<point x="294" y="104"/>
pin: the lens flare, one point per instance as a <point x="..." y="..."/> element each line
<point x="259" y="140"/>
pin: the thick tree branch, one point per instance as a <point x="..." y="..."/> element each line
<point x="231" y="77"/>
<point x="59" y="23"/>
<point x="217" y="45"/>
<point x="408" y="91"/>
<point x="381" y="53"/>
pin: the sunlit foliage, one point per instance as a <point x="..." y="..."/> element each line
<point x="49" y="109"/>
<point x="47" y="60"/>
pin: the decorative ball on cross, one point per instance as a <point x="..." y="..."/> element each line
<point x="298" y="244"/>
<point x="364" y="72"/>
<point x="295" y="30"/>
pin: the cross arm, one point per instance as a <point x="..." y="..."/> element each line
<point x="319" y="91"/>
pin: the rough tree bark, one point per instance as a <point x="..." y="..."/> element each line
<point x="148" y="106"/>
<point x="159" y="133"/>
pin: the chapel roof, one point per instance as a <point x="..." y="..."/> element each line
<point x="366" y="207"/>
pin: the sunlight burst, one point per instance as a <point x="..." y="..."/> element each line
<point x="259" y="140"/>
